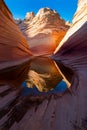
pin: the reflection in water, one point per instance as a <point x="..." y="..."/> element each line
<point x="66" y="71"/>
<point x="40" y="72"/>
<point x="43" y="74"/>
<point x="15" y="75"/>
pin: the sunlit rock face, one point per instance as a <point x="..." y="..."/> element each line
<point x="72" y="51"/>
<point x="73" y="47"/>
<point x="68" y="23"/>
<point x="13" y="46"/>
<point x="78" y="31"/>
<point x="54" y="112"/>
<point x="44" y="31"/>
<point x="29" y="16"/>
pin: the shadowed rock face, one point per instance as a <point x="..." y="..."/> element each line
<point x="43" y="74"/>
<point x="72" y="51"/>
<point x="65" y="112"/>
<point x="73" y="48"/>
<point x="44" y="31"/>
<point x="40" y="72"/>
<point x="21" y="95"/>
<point x="79" y="26"/>
<point x="13" y="46"/>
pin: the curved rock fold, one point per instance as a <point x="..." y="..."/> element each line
<point x="52" y="112"/>
<point x="14" y="48"/>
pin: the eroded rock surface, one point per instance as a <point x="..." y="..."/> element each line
<point x="53" y="112"/>
<point x="72" y="51"/>
<point x="29" y="16"/>
<point x="43" y="31"/>
<point x="13" y="46"/>
<point x="79" y="20"/>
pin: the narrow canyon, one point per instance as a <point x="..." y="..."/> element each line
<point x="44" y="50"/>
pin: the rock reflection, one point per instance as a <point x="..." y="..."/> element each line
<point x="66" y="73"/>
<point x="14" y="76"/>
<point x="40" y="72"/>
<point x="43" y="74"/>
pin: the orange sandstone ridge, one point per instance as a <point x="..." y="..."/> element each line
<point x="64" y="112"/>
<point x="43" y="31"/>
<point x="14" y="48"/>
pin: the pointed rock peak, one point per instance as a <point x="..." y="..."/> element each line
<point x="44" y="31"/>
<point x="47" y="11"/>
<point x="48" y="16"/>
<point x="29" y="16"/>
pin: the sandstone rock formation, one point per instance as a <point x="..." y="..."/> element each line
<point x="44" y="31"/>
<point x="18" y="21"/>
<point x="16" y="103"/>
<point x="79" y="20"/>
<point x="68" y="23"/>
<point x="29" y="16"/>
<point x="72" y="52"/>
<point x="43" y="74"/>
<point x="53" y="112"/>
<point x="13" y="46"/>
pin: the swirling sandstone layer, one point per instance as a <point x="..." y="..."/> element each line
<point x="72" y="52"/>
<point x="66" y="112"/>
<point x="13" y="46"/>
<point x="43" y="31"/>
<point x="77" y="32"/>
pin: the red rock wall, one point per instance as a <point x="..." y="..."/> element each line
<point x="13" y="45"/>
<point x="73" y="48"/>
<point x="65" y="112"/>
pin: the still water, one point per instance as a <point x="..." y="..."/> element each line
<point x="25" y="87"/>
<point x="39" y="75"/>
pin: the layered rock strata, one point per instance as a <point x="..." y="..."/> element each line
<point x="29" y="16"/>
<point x="52" y="112"/>
<point x="72" y="51"/>
<point x="43" y="31"/>
<point x="13" y="46"/>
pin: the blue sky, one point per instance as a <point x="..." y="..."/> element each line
<point x="66" y="8"/>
